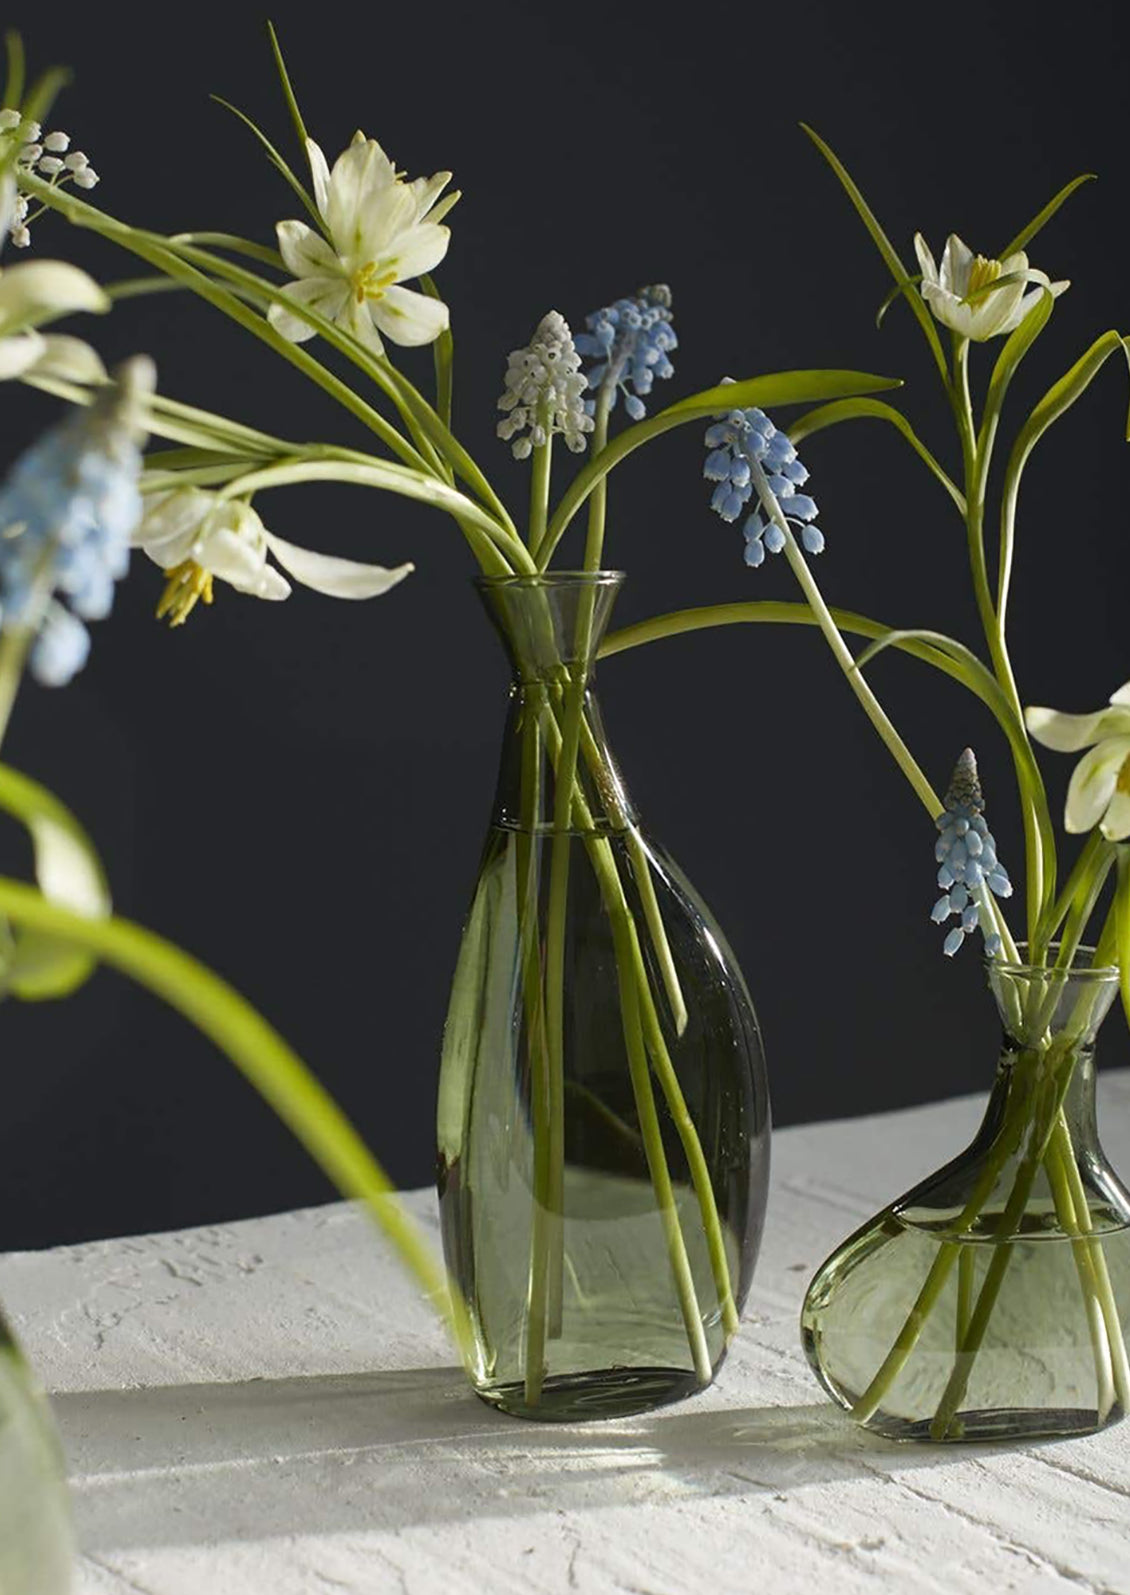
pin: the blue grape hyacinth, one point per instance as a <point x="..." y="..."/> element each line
<point x="967" y="861"/>
<point x="67" y="510"/>
<point x="739" y="441"/>
<point x="630" y="341"/>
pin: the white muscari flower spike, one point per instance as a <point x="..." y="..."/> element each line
<point x="968" y="866"/>
<point x="44" y="155"/>
<point x="544" y="391"/>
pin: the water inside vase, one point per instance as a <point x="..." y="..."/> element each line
<point x="1035" y="1373"/>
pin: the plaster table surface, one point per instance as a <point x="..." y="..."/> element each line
<point x="267" y="1408"/>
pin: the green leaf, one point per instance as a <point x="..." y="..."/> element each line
<point x="896" y="293"/>
<point x="444" y="355"/>
<point x="1025" y="236"/>
<point x="277" y="161"/>
<point x="69" y="873"/>
<point x="778" y="388"/>
<point x="1016" y="346"/>
<point x="288" y="92"/>
<point x="237" y="245"/>
<point x="875" y="410"/>
<point x="888" y="251"/>
<point x="17" y="69"/>
<point x="257" y="1050"/>
<point x="781" y="387"/>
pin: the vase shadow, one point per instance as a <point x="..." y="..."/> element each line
<point x="204" y="1464"/>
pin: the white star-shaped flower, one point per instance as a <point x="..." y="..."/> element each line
<point x="1099" y="793"/>
<point x="961" y="293"/>
<point x="379" y="232"/>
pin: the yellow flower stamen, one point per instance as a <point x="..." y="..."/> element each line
<point x="187" y="584"/>
<point x="982" y="273"/>
<point x="369" y="282"/>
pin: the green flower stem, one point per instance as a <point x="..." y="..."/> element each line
<point x="540" y="476"/>
<point x="966" y="1265"/>
<point x="1074" y="1221"/>
<point x="14" y="645"/>
<point x="598" y="499"/>
<point x="1081" y="873"/>
<point x="262" y="1056"/>
<point x="842" y="653"/>
<point x="1063" y="1153"/>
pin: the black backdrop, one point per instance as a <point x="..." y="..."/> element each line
<point x="298" y="792"/>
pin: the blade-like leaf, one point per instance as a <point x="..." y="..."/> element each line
<point x="896" y="293"/>
<point x="781" y="387"/>
<point x="874" y="409"/>
<point x="1016" y="346"/>
<point x="237" y="245"/>
<point x="288" y="92"/>
<point x="17" y="69"/>
<point x="70" y="875"/>
<point x="888" y="251"/>
<point x="277" y="161"/>
<point x="444" y="355"/>
<point x="1026" y="234"/>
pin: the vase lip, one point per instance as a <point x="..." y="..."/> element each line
<point x="1076" y="970"/>
<point x="554" y="578"/>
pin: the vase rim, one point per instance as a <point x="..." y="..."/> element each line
<point x="1076" y="970"/>
<point x="554" y="578"/>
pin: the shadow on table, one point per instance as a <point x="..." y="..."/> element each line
<point x="195" y="1464"/>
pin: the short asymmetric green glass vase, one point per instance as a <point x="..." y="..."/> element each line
<point x="603" y="1112"/>
<point x="36" y="1549"/>
<point x="991" y="1302"/>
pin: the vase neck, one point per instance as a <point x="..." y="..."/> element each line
<point x="551" y="628"/>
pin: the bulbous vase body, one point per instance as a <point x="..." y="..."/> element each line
<point x="603" y="1116"/>
<point x="990" y="1302"/>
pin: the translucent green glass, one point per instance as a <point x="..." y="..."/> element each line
<point x="35" y="1533"/>
<point x="990" y="1302"/>
<point x="603" y="1116"/>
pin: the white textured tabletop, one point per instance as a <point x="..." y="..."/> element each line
<point x="266" y="1408"/>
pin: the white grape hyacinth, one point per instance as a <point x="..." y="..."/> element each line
<point x="545" y="391"/>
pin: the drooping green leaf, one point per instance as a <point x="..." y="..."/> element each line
<point x="70" y="875"/>
<point x="237" y="245"/>
<point x="17" y="69"/>
<point x="896" y="292"/>
<point x="288" y="92"/>
<point x="1016" y="346"/>
<point x="767" y="392"/>
<point x="443" y="351"/>
<point x="873" y="409"/>
<point x="277" y="161"/>
<point x="1026" y="234"/>
<point x="888" y="251"/>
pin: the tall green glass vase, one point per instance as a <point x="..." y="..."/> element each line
<point x="603" y="1112"/>
<point x="991" y="1302"/>
<point x="36" y="1549"/>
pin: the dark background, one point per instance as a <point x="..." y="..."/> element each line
<point x="297" y="793"/>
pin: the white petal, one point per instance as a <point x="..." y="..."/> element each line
<point x="387" y="218"/>
<point x="426" y="190"/>
<point x="328" y="295"/>
<point x="410" y="318"/>
<point x="419" y="249"/>
<point x="305" y="252"/>
<point x="1122" y="696"/>
<point x="319" y="174"/>
<point x="957" y="258"/>
<point x="337" y="578"/>
<point x="19" y="354"/>
<point x="69" y="358"/>
<point x="926" y="262"/>
<point x="1093" y="783"/>
<point x="360" y="175"/>
<point x="1116" y="821"/>
<point x="170" y="524"/>
<point x="949" y="309"/>
<point x="232" y="544"/>
<point x="7" y="203"/>
<point x="993" y="313"/>
<point x="357" y="319"/>
<point x="47" y="285"/>
<point x="1068" y="733"/>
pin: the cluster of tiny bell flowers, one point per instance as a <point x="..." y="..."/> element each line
<point x="544" y="391"/>
<point x="631" y="342"/>
<point x="47" y="155"/>
<point x="68" y="509"/>
<point x="737" y="442"/>
<point x="966" y="853"/>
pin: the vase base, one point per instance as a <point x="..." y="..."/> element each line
<point x="587" y="1397"/>
<point x="998" y="1424"/>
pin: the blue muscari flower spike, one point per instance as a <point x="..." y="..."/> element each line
<point x="734" y="441"/>
<point x="630" y="341"/>
<point x="67" y="510"/>
<point x="967" y="860"/>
